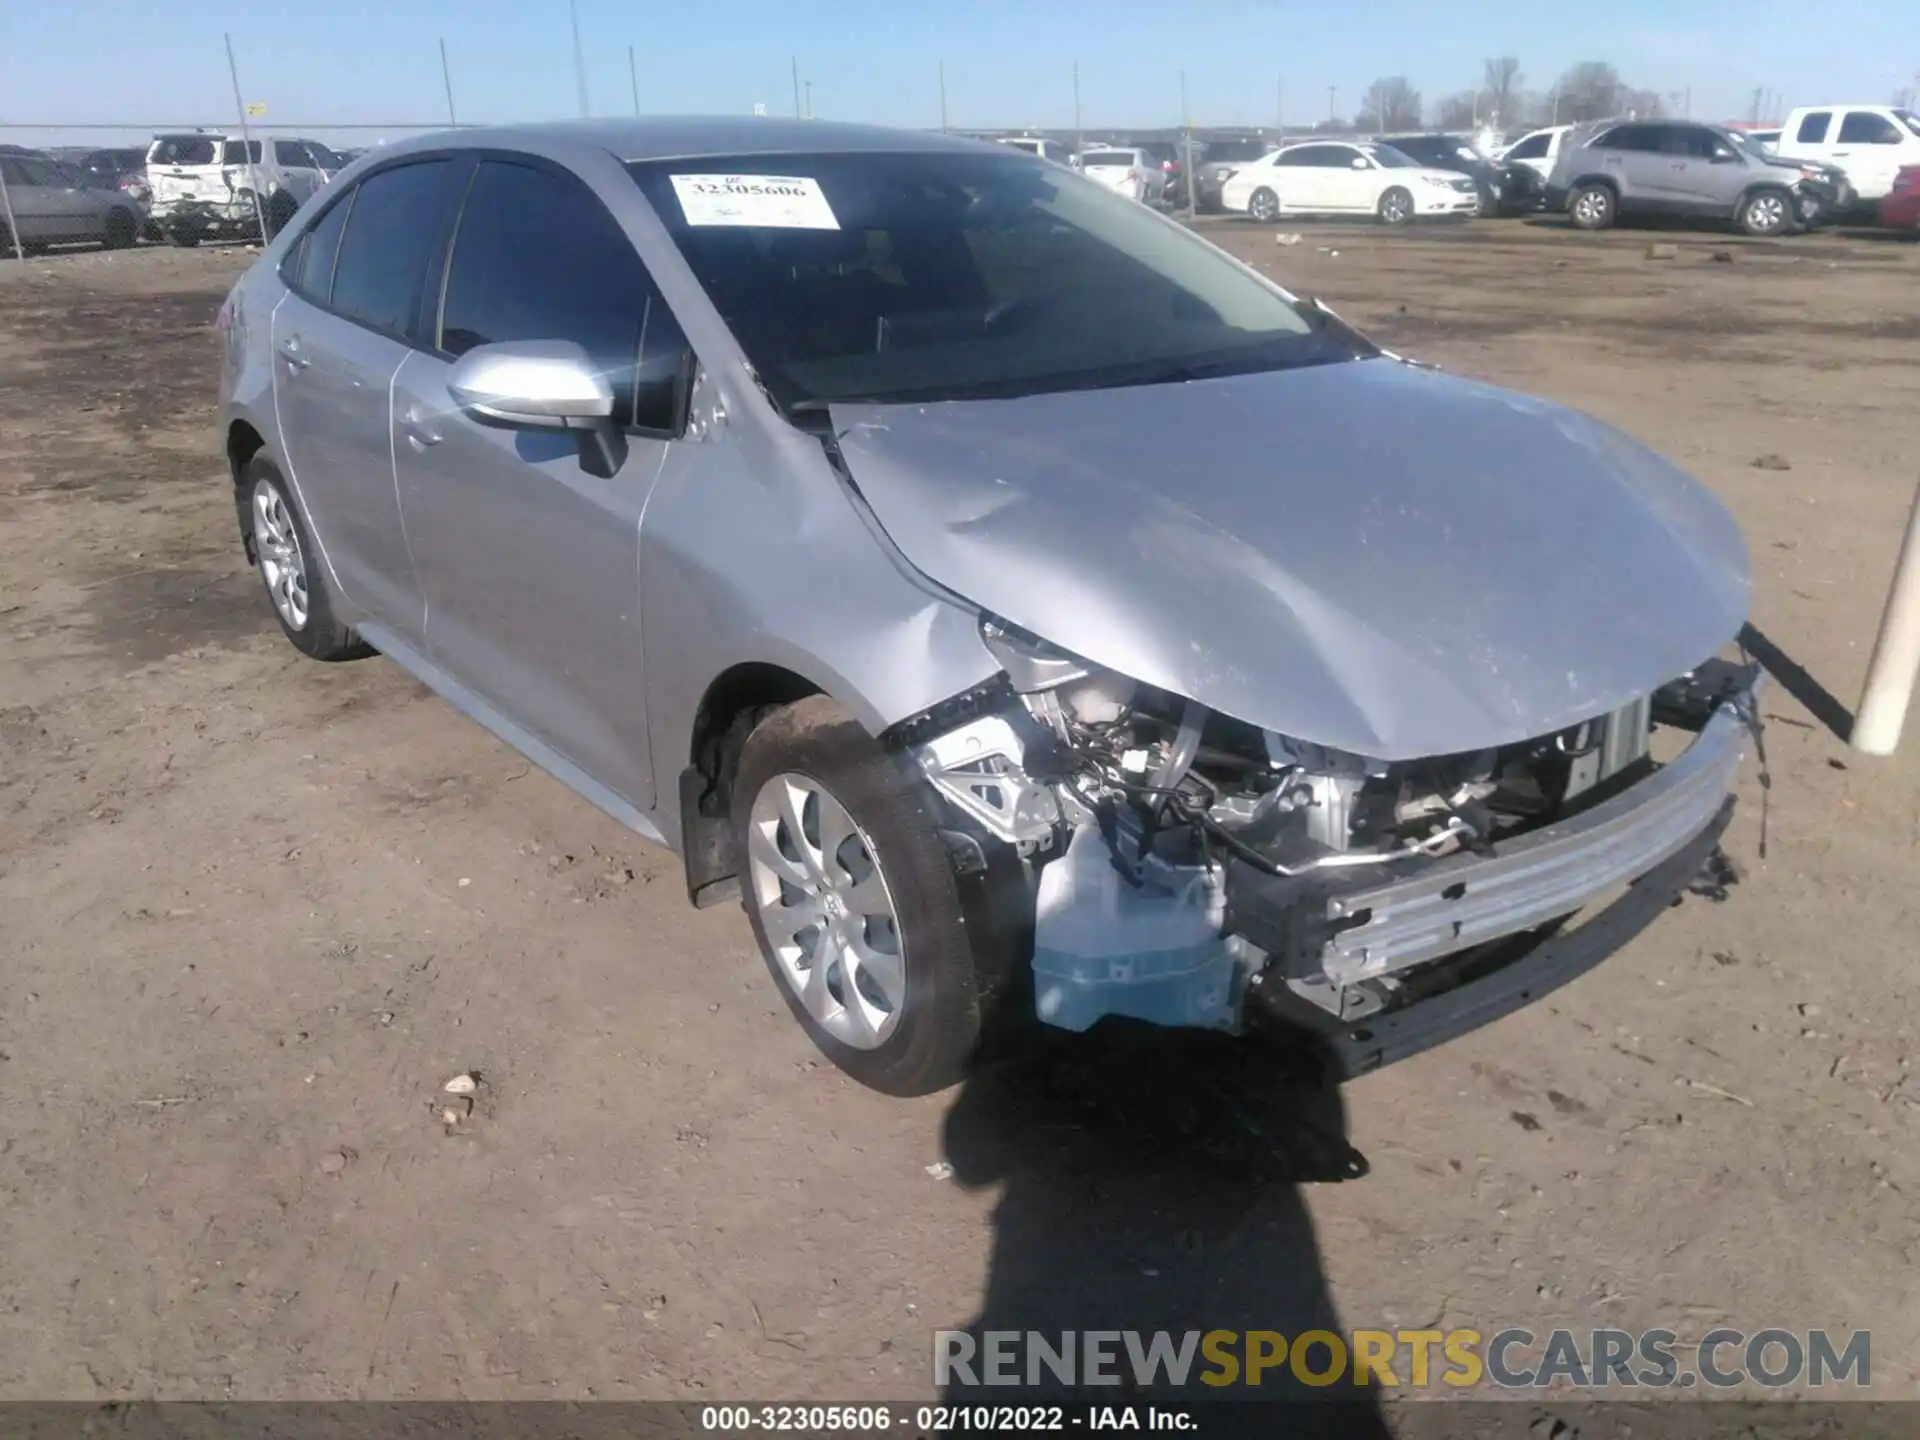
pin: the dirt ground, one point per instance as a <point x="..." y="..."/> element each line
<point x="253" y="911"/>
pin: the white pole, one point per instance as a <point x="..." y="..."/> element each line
<point x="13" y="230"/>
<point x="1896" y="652"/>
<point x="246" y="138"/>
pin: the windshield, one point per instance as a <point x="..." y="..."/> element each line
<point x="1909" y="119"/>
<point x="1392" y="159"/>
<point x="1109" y="159"/>
<point x="323" y="157"/>
<point x="940" y="275"/>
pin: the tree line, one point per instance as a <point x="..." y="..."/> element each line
<point x="1591" y="90"/>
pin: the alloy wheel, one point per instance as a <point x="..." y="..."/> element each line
<point x="1395" y="208"/>
<point x="1265" y="206"/>
<point x="826" y="910"/>
<point x="282" y="565"/>
<point x="1590" y="208"/>
<point x="1766" y="214"/>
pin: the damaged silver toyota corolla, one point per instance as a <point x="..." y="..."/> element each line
<point x="1012" y="598"/>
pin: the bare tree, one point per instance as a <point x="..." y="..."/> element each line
<point x="1391" y="103"/>
<point x="1591" y="90"/>
<point x="1501" y="82"/>
<point x="1457" y="111"/>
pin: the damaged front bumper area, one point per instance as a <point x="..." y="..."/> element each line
<point x="1377" y="955"/>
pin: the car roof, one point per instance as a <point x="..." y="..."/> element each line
<point x="683" y="137"/>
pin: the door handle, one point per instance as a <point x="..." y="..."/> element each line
<point x="419" y="433"/>
<point x="291" y="352"/>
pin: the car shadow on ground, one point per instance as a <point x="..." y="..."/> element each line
<point x="1151" y="1180"/>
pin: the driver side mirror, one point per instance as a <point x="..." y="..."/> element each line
<point x="543" y="385"/>
<point x="1360" y="162"/>
<point x="1725" y="157"/>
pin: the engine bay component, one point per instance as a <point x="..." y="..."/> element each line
<point x="978" y="769"/>
<point x="1179" y="858"/>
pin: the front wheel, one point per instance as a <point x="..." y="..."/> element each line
<point x="1765" y="212"/>
<point x="1396" y="206"/>
<point x="851" y="895"/>
<point x="1592" y="207"/>
<point x="1264" y="206"/>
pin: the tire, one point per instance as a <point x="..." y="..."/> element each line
<point x="1263" y="205"/>
<point x="280" y="544"/>
<point x="1765" y="213"/>
<point x="280" y="212"/>
<point x="1592" y="207"/>
<point x="182" y="238"/>
<point x="120" y="230"/>
<point x="886" y="889"/>
<point x="1396" y="206"/>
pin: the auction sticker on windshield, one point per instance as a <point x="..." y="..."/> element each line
<point x="776" y="202"/>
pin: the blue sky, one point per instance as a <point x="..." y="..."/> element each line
<point x="1007" y="63"/>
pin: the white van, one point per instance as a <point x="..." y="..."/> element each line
<point x="1870" y="142"/>
<point x="204" y="185"/>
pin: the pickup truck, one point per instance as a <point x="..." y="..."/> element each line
<point x="1870" y="142"/>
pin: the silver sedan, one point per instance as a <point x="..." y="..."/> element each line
<point x="1018" y="604"/>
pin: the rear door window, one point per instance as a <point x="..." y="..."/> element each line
<point x="538" y="257"/>
<point x="182" y="150"/>
<point x="242" y="152"/>
<point x="397" y="218"/>
<point x="292" y="154"/>
<point x="1864" y="127"/>
<point x="1813" y="127"/>
<point x="309" y="270"/>
<point x="1533" y="147"/>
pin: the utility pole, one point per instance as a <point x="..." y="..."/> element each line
<point x="579" y="56"/>
<point x="796" y="87"/>
<point x="633" y="78"/>
<point x="246" y="139"/>
<point x="943" y="97"/>
<point x="1186" y="127"/>
<point x="1332" y="112"/>
<point x="809" y="99"/>
<point x="446" y="77"/>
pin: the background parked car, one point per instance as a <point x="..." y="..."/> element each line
<point x="1039" y="145"/>
<point x="1223" y="157"/>
<point x="1130" y="171"/>
<point x="1171" y="158"/>
<point x="1900" y="206"/>
<point x="204" y="186"/>
<point x="1872" y="143"/>
<point x="1340" y="178"/>
<point x="1537" y="150"/>
<point x="1611" y="168"/>
<point x="1441" y="151"/>
<point x="53" y="203"/>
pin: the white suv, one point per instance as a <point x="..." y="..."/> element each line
<point x="205" y="185"/>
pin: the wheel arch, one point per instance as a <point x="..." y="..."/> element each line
<point x="243" y="443"/>
<point x="728" y="710"/>
<point x="1603" y="180"/>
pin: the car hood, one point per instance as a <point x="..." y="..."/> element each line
<point x="1366" y="555"/>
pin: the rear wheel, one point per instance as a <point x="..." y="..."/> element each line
<point x="120" y="230"/>
<point x="280" y="212"/>
<point x="282" y="549"/>
<point x="851" y="895"/>
<point x="1592" y="207"/>
<point x="1396" y="206"/>
<point x="1765" y="212"/>
<point x="1264" y="206"/>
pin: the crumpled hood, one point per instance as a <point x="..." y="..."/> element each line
<point x="1370" y="556"/>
